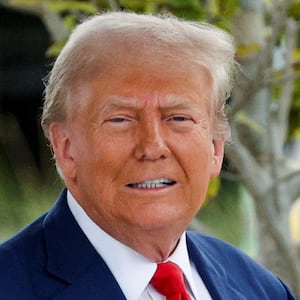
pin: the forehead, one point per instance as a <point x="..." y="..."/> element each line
<point x="153" y="79"/>
<point x="133" y="83"/>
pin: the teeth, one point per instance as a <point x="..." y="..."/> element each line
<point x="152" y="184"/>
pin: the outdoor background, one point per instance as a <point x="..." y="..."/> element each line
<point x="255" y="204"/>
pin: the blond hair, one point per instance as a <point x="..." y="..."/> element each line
<point x="93" y="45"/>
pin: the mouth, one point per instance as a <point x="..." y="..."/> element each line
<point x="152" y="184"/>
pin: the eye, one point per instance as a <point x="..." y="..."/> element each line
<point x="118" y="120"/>
<point x="122" y="121"/>
<point x="179" y="118"/>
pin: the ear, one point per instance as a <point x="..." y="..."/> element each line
<point x="217" y="157"/>
<point x="60" y="140"/>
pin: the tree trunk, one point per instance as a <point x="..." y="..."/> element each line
<point x="257" y="151"/>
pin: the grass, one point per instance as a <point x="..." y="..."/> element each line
<point x="21" y="201"/>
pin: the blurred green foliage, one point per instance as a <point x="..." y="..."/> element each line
<point x="232" y="206"/>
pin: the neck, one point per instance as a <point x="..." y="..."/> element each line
<point x="153" y="241"/>
<point x="156" y="245"/>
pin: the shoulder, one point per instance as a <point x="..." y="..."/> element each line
<point x="215" y="247"/>
<point x="243" y="272"/>
<point x="18" y="255"/>
<point x="23" y="241"/>
<point x="215" y="250"/>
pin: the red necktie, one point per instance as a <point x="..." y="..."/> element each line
<point x="168" y="280"/>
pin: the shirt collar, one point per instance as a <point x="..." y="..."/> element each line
<point x="126" y="264"/>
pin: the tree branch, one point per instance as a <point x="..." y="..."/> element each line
<point x="54" y="24"/>
<point x="114" y="4"/>
<point x="252" y="175"/>
<point x="292" y="184"/>
<point x="52" y="21"/>
<point x="260" y="71"/>
<point x="286" y="96"/>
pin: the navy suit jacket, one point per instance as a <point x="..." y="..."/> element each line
<point x="53" y="259"/>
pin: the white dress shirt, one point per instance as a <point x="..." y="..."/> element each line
<point x="131" y="270"/>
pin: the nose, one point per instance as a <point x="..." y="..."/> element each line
<point x="151" y="144"/>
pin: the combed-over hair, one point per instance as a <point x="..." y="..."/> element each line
<point x="97" y="42"/>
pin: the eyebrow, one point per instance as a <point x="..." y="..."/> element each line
<point x="117" y="102"/>
<point x="171" y="102"/>
<point x="177" y="102"/>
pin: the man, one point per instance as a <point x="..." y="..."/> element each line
<point x="134" y="114"/>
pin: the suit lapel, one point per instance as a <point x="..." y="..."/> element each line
<point x="72" y="259"/>
<point x="93" y="284"/>
<point x="212" y="273"/>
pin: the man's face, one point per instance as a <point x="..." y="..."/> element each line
<point x="139" y="149"/>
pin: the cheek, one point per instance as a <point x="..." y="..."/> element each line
<point x="102" y="162"/>
<point x="196" y="152"/>
<point x="195" y="158"/>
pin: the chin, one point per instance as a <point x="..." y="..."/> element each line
<point x="159" y="222"/>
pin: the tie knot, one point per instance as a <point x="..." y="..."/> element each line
<point x="168" y="280"/>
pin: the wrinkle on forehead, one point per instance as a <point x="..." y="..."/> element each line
<point x="150" y="80"/>
<point x="170" y="101"/>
